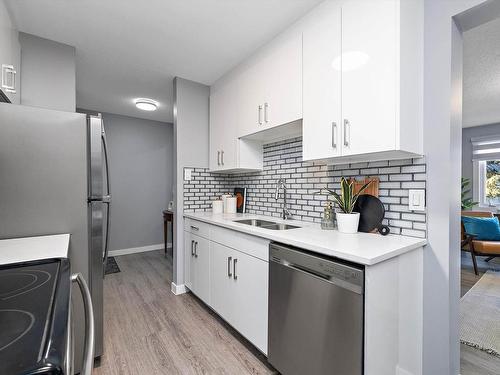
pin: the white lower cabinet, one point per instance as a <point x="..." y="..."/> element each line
<point x="232" y="282"/>
<point x="197" y="261"/>
<point x="239" y="289"/>
<point x="251" y="277"/>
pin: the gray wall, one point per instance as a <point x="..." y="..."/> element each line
<point x="141" y="173"/>
<point x="48" y="77"/>
<point x="191" y="117"/>
<point x="467" y="134"/>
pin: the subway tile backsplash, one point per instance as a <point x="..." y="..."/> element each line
<point x="284" y="159"/>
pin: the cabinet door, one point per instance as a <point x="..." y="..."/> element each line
<point x="221" y="287"/>
<point x="322" y="130"/>
<point x="200" y="273"/>
<point x="223" y="128"/>
<point x="281" y="71"/>
<point x="369" y="75"/>
<point x="188" y="259"/>
<point x="250" y="282"/>
<point x="250" y="94"/>
<point x="10" y="58"/>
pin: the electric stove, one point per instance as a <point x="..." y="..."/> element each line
<point x="34" y="303"/>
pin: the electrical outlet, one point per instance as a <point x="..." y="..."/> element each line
<point x="187" y="174"/>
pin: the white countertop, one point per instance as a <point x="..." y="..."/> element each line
<point x="26" y="249"/>
<point x="362" y="248"/>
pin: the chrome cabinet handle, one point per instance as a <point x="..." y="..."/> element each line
<point x="88" y="354"/>
<point x="334" y="134"/>
<point x="194" y="228"/>
<point x="266" y="108"/>
<point x="218" y="157"/>
<point x="192" y="247"/>
<point x="260" y="114"/>
<point x="229" y="274"/>
<point x="222" y="157"/>
<point x="234" y="268"/>
<point x="347" y="139"/>
<point x="196" y="249"/>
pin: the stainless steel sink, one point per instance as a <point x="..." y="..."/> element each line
<point x="266" y="224"/>
<point x="255" y="222"/>
<point x="279" y="226"/>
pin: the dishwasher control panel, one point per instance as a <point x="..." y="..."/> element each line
<point x="328" y="269"/>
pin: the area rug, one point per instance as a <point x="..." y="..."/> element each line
<point x="480" y="314"/>
<point x="111" y="266"/>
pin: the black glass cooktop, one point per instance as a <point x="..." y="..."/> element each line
<point x="26" y="302"/>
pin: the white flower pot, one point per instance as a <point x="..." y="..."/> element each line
<point x="348" y="223"/>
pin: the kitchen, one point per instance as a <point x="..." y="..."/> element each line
<point x="319" y="92"/>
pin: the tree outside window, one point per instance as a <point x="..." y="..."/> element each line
<point x="493" y="182"/>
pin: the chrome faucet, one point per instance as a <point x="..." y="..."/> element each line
<point x="282" y="183"/>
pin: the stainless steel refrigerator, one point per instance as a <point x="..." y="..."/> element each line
<point x="54" y="178"/>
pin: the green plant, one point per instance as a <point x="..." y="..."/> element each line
<point x="346" y="199"/>
<point x="467" y="202"/>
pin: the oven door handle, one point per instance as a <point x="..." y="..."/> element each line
<point x="88" y="354"/>
<point x="70" y="347"/>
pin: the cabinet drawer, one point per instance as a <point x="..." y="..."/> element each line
<point x="197" y="227"/>
<point x="251" y="245"/>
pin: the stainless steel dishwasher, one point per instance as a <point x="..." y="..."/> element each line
<point x="315" y="314"/>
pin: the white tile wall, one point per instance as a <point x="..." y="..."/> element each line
<point x="304" y="179"/>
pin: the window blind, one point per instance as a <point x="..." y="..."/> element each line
<point x="486" y="148"/>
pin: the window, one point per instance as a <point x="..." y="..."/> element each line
<point x="486" y="169"/>
<point x="488" y="182"/>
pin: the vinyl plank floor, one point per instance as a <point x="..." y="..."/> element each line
<point x="148" y="330"/>
<point x="472" y="360"/>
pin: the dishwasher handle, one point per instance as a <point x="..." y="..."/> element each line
<point x="326" y="278"/>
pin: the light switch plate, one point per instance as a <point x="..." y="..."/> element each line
<point x="416" y="200"/>
<point x="187" y="174"/>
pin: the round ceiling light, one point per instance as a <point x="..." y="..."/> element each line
<point x="146" y="104"/>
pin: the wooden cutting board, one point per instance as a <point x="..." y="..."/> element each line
<point x="372" y="189"/>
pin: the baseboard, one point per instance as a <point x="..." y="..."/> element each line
<point x="178" y="289"/>
<point x="133" y="250"/>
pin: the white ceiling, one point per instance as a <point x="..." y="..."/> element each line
<point x="127" y="48"/>
<point x="481" y="96"/>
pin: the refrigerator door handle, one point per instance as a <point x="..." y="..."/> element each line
<point x="106" y="198"/>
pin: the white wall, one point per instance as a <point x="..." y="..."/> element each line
<point x="48" y="73"/>
<point x="191" y="142"/>
<point x="442" y="146"/>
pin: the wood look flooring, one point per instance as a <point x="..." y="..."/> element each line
<point x="474" y="361"/>
<point x="149" y="330"/>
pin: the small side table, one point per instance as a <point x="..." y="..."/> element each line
<point x="168" y="216"/>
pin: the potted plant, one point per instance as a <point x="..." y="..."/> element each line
<point x="467" y="202"/>
<point x="347" y="221"/>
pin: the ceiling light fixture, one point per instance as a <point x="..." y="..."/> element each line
<point x="146" y="104"/>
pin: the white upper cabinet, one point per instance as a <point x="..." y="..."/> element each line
<point x="223" y="131"/>
<point x="281" y="72"/>
<point x="10" y="57"/>
<point x="369" y="76"/>
<point x="352" y="70"/>
<point x="271" y="86"/>
<point x="363" y="80"/>
<point x="322" y="131"/>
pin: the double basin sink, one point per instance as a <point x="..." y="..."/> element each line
<point x="266" y="224"/>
